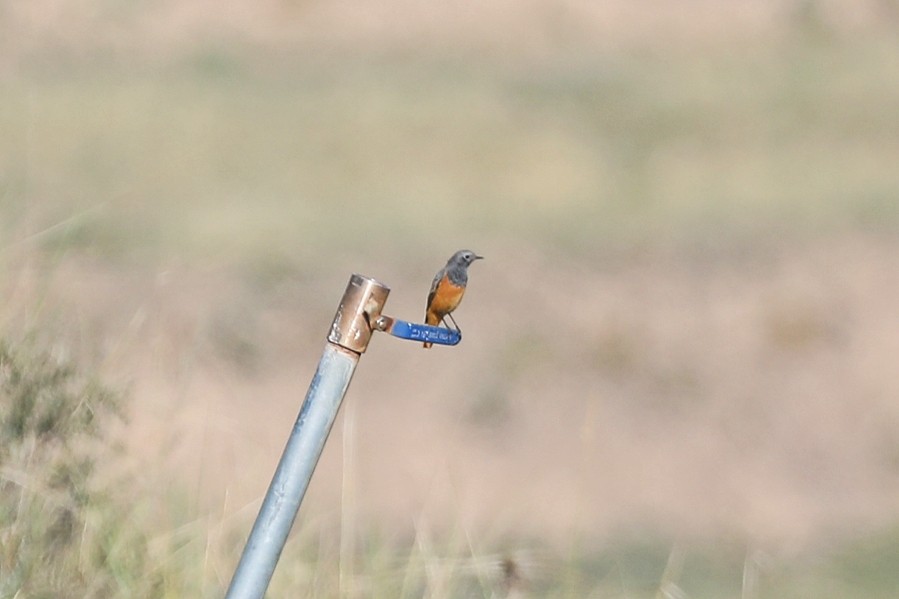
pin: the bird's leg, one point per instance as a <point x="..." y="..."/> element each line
<point x="458" y="330"/>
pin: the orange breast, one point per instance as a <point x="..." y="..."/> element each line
<point x="446" y="298"/>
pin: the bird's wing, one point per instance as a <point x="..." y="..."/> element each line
<point x="434" y="284"/>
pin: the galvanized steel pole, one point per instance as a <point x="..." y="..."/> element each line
<point x="347" y="340"/>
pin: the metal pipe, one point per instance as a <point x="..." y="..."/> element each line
<point x="347" y="340"/>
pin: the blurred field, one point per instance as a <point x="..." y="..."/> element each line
<point x="681" y="346"/>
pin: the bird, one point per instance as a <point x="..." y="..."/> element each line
<point x="448" y="288"/>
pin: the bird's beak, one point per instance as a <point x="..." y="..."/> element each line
<point x="478" y="257"/>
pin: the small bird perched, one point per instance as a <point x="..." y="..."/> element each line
<point x="448" y="288"/>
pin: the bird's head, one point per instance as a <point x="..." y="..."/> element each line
<point x="464" y="258"/>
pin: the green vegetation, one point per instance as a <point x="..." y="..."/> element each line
<point x="61" y="535"/>
<point x="265" y="166"/>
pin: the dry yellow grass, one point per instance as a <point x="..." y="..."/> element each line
<point x="700" y="394"/>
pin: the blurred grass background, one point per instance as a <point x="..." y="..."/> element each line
<point x="677" y="373"/>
